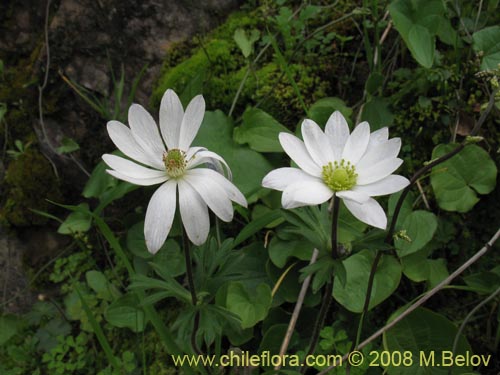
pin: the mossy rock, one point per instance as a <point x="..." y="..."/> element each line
<point x="29" y="182"/>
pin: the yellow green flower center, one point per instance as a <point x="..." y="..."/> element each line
<point x="339" y="176"/>
<point x="175" y="162"/>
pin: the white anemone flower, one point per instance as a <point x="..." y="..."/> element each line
<point x="355" y="167"/>
<point x="178" y="167"/>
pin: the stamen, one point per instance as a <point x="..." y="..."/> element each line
<point x="175" y="162"/>
<point x="339" y="177"/>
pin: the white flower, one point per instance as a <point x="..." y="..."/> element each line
<point x="176" y="167"/>
<point x="354" y="167"/>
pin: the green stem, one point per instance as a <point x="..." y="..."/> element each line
<point x="327" y="296"/>
<point x="192" y="289"/>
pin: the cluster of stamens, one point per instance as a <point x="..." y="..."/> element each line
<point x="175" y="162"/>
<point x="339" y="176"/>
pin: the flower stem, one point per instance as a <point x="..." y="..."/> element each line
<point x="194" y="299"/>
<point x="327" y="296"/>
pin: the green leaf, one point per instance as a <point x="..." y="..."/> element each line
<point x="260" y="130"/>
<point x="424" y="331"/>
<point x="9" y="325"/>
<point x="437" y="271"/>
<point x="67" y="145"/>
<point x="98" y="182"/>
<point x="374" y="83"/>
<point x="246" y="42"/>
<point x="77" y="221"/>
<point x="321" y="111"/>
<point x="104" y="289"/>
<point x="352" y="294"/>
<point x="420" y="226"/>
<point x="416" y="266"/>
<point x="248" y="166"/>
<point x="274" y="336"/>
<point x="280" y="251"/>
<point x="457" y="181"/>
<point x="125" y="312"/>
<point x="377" y="113"/>
<point x="250" y="307"/>
<point x="487" y="41"/>
<point x="422" y="45"/>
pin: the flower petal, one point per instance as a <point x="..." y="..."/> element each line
<point x="138" y="181"/>
<point x="305" y="193"/>
<point x="191" y="122"/>
<point x="353" y="195"/>
<point x="379" y="136"/>
<point x="121" y="136"/>
<point x="210" y="158"/>
<point x="129" y="168"/>
<point x="160" y="216"/>
<point x="232" y="191"/>
<point x="337" y="131"/>
<point x="357" y="142"/>
<point x="297" y="151"/>
<point x="380" y="151"/>
<point x="194" y="213"/>
<point x="213" y="194"/>
<point x="281" y="178"/>
<point x="145" y="131"/>
<point x="377" y="171"/>
<point x="387" y="185"/>
<point x="317" y="143"/>
<point x="171" y="114"/>
<point x="370" y="212"/>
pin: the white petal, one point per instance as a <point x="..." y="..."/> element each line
<point x="317" y="143"/>
<point x="145" y="132"/>
<point x="232" y="191"/>
<point x="281" y="178"/>
<point x="160" y="215"/>
<point x="297" y="151"/>
<point x="377" y="171"/>
<point x="138" y="181"/>
<point x="191" y="122"/>
<point x="352" y="195"/>
<point x="305" y="193"/>
<point x="129" y="168"/>
<point x="194" y="213"/>
<point x="388" y="185"/>
<point x="122" y="137"/>
<point x="380" y="151"/>
<point x="213" y="194"/>
<point x="337" y="131"/>
<point x="370" y="212"/>
<point x="212" y="160"/>
<point x="171" y="114"/>
<point x="357" y="142"/>
<point x="379" y="136"/>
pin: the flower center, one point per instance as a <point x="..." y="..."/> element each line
<point x="339" y="177"/>
<point x="175" y="162"/>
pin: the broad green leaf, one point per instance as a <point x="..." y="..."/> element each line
<point x="437" y="271"/>
<point x="487" y="41"/>
<point x="260" y="130"/>
<point x="457" y="181"/>
<point x="104" y="289"/>
<point x="422" y="45"/>
<point x="416" y="266"/>
<point x="250" y="307"/>
<point x="68" y="145"/>
<point x="352" y="294"/>
<point x="280" y="251"/>
<point x="485" y="282"/>
<point x="377" y="113"/>
<point x="321" y="110"/>
<point x="274" y="336"/>
<point x="422" y="333"/>
<point x="420" y="226"/>
<point x="125" y="312"/>
<point x="248" y="166"/>
<point x="77" y="221"/>
<point x="98" y="182"/>
<point x="246" y="42"/>
<point x="8" y="327"/>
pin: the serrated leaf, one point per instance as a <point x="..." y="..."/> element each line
<point x="126" y="312"/>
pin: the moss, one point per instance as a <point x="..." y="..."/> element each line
<point x="30" y="182"/>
